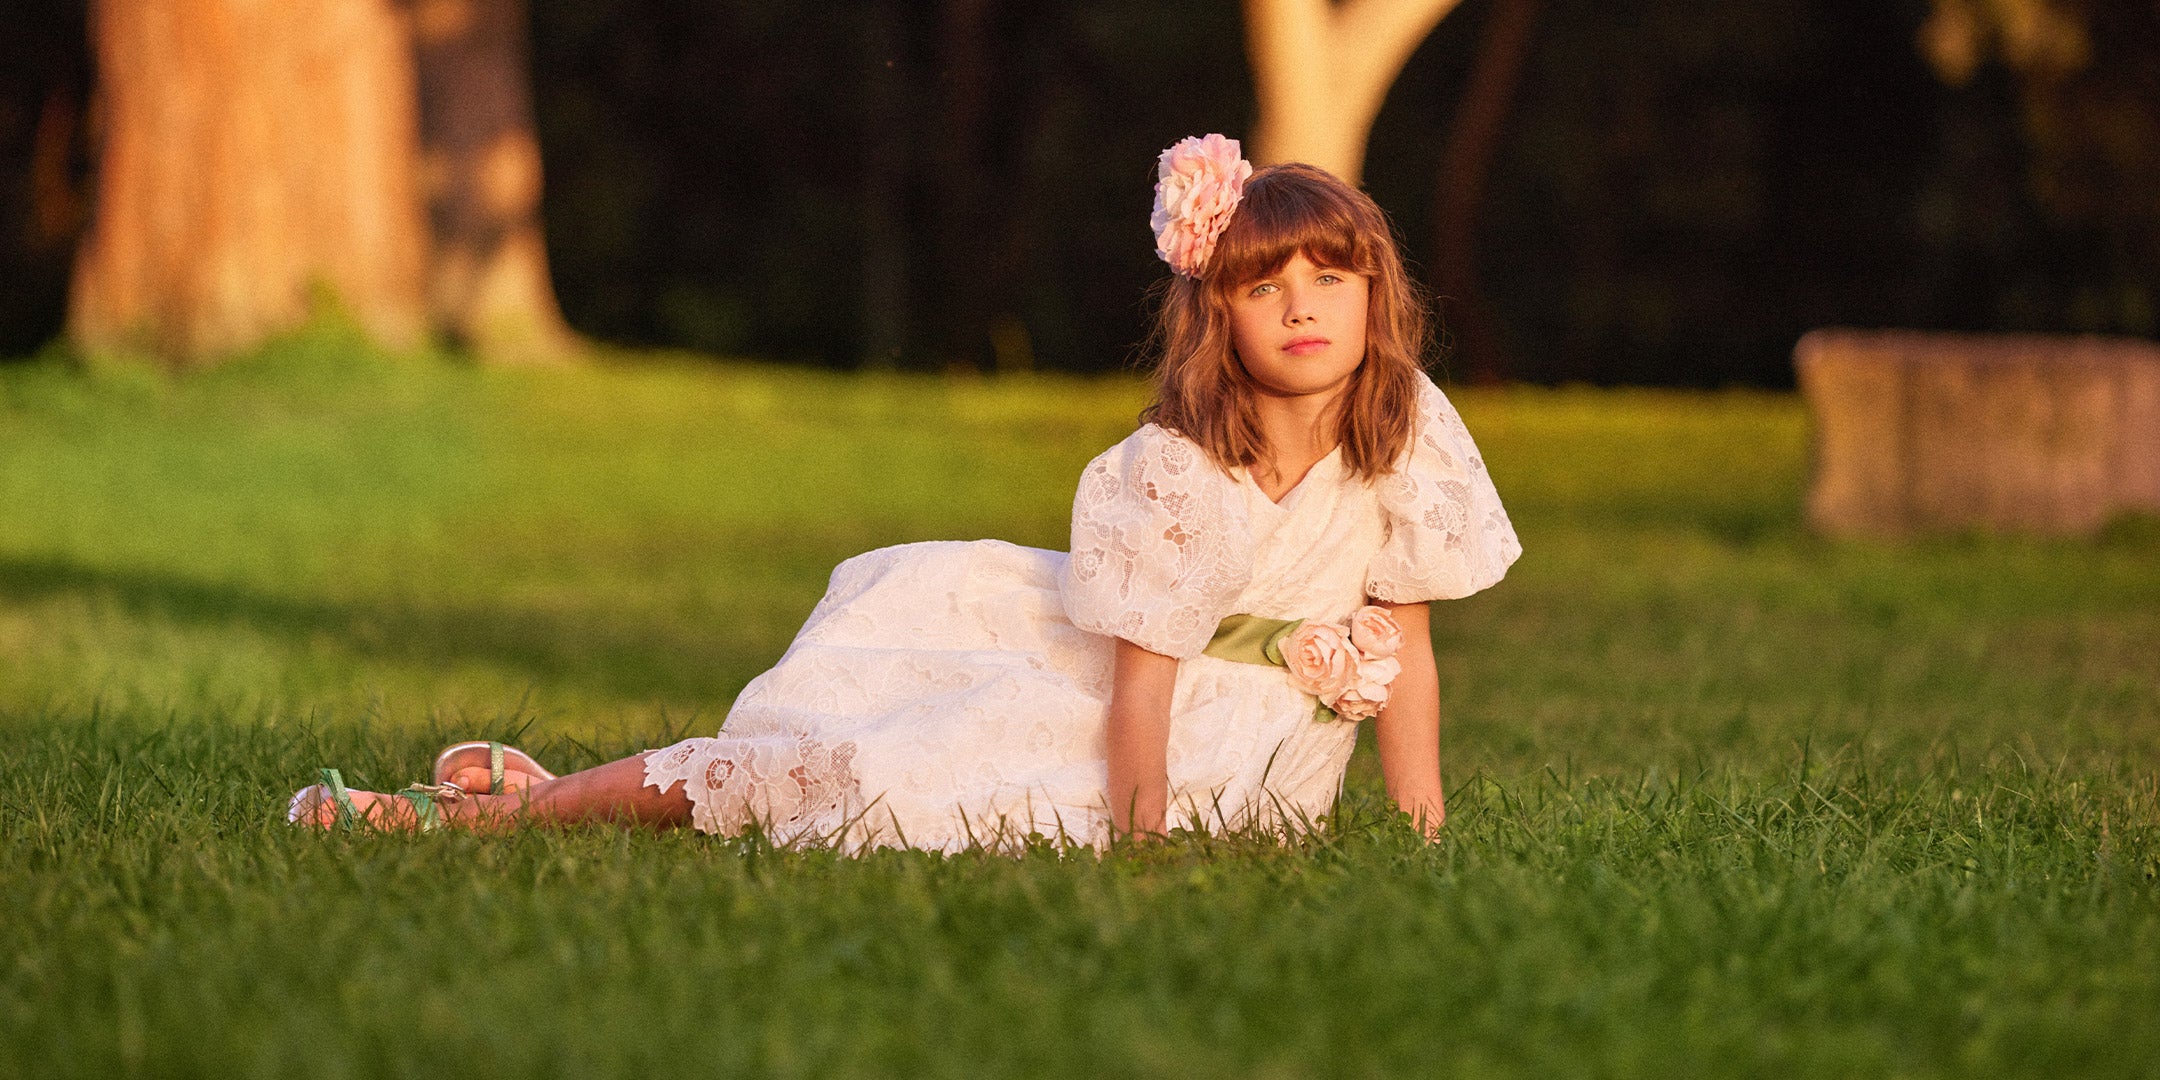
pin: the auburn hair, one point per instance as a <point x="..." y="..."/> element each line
<point x="1202" y="390"/>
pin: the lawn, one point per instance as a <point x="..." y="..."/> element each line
<point x="1726" y="798"/>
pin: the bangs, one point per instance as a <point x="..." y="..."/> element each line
<point x="1276" y="220"/>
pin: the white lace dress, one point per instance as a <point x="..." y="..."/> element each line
<point x="949" y="694"/>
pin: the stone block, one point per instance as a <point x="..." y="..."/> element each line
<point x="2028" y="433"/>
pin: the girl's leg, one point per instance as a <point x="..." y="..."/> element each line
<point x="614" y="792"/>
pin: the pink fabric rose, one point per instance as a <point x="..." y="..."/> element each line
<point x="1375" y="632"/>
<point x="1367" y="689"/>
<point x="1198" y="184"/>
<point x="1320" y="659"/>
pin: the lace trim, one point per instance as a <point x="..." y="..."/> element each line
<point x="795" y="788"/>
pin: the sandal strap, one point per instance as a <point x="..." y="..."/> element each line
<point x="348" y="815"/>
<point x="424" y="808"/>
<point x="449" y="791"/>
<point x="495" y="768"/>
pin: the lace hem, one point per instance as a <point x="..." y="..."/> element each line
<point x="795" y="788"/>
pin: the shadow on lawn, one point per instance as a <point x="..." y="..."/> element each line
<point x="617" y="656"/>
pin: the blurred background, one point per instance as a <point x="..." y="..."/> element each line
<point x="1659" y="192"/>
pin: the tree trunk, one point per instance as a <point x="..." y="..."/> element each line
<point x="488" y="283"/>
<point x="1321" y="69"/>
<point x="254" y="155"/>
<point x="1464" y="165"/>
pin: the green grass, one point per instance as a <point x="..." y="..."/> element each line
<point x="1727" y="798"/>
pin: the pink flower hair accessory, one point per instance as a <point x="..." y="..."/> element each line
<point x="1198" y="183"/>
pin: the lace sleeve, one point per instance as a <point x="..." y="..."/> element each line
<point x="1447" y="534"/>
<point x="1160" y="547"/>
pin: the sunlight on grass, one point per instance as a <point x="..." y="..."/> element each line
<point x="1727" y="798"/>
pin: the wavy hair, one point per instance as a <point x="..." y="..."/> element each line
<point x="1203" y="392"/>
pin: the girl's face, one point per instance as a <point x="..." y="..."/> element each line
<point x="1300" y="331"/>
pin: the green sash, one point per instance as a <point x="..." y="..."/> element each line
<point x="1250" y="639"/>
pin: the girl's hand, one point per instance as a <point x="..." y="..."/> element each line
<point x="1141" y="683"/>
<point x="1428" y="817"/>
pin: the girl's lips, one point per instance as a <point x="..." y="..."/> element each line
<point x="1305" y="346"/>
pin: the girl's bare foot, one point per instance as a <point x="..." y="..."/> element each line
<point x="614" y="792"/>
<point x="471" y="766"/>
<point x="315" y="806"/>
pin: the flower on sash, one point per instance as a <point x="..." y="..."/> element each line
<point x="1348" y="668"/>
<point x="1375" y="633"/>
<point x="1320" y="659"/>
<point x="1368" y="689"/>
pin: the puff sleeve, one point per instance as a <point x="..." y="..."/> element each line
<point x="1447" y="534"/>
<point x="1160" y="545"/>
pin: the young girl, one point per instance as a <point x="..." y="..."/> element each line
<point x="1249" y="577"/>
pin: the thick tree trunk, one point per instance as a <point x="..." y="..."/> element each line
<point x="1321" y="69"/>
<point x="255" y="154"/>
<point x="1464" y="166"/>
<point x="488" y="283"/>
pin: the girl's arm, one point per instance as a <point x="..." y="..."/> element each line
<point x="1140" y="687"/>
<point x="1408" y="729"/>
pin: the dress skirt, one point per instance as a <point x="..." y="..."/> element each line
<point x="939" y="697"/>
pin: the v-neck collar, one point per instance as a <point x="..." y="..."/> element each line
<point x="1245" y="477"/>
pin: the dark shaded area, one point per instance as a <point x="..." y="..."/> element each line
<point x="44" y="198"/>
<point x="870" y="182"/>
<point x="1684" y="194"/>
<point x="1678" y="190"/>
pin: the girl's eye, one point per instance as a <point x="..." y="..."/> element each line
<point x="1330" y="279"/>
<point x="1262" y="289"/>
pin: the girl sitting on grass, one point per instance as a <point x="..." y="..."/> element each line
<point x="1249" y="577"/>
